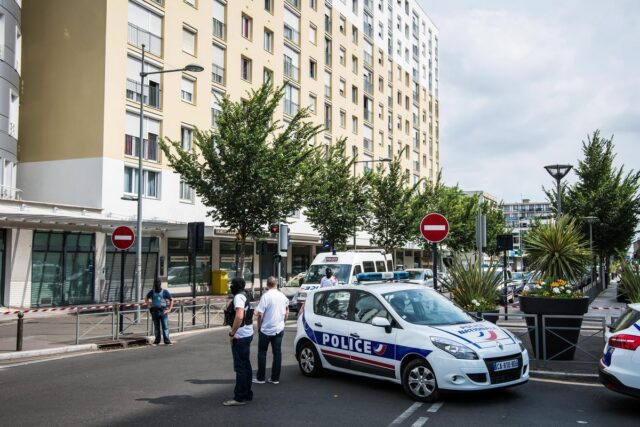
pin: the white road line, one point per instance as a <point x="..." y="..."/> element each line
<point x="406" y="414"/>
<point x="420" y="422"/>
<point x="435" y="407"/>
<point x="543" y="380"/>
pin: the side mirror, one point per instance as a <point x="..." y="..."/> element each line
<point x="382" y="322"/>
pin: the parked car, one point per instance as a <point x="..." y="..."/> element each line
<point x="409" y="335"/>
<point x="291" y="288"/>
<point x="420" y="276"/>
<point x="620" y="364"/>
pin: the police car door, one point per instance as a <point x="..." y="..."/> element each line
<point x="373" y="349"/>
<point x="330" y="326"/>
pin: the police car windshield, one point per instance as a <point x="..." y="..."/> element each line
<point x="425" y="307"/>
<point x="317" y="272"/>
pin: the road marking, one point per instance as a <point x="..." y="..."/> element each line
<point x="420" y="422"/>
<point x="435" y="407"/>
<point x="406" y="414"/>
<point x="543" y="380"/>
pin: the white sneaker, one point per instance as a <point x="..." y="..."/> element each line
<point x="257" y="381"/>
<point x="270" y="381"/>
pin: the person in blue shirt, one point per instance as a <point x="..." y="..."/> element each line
<point x="157" y="300"/>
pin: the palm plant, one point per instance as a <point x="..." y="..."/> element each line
<point x="559" y="250"/>
<point x="471" y="287"/>
<point x="631" y="282"/>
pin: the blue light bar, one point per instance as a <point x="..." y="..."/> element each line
<point x="385" y="275"/>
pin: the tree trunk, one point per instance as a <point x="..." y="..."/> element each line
<point x="607" y="265"/>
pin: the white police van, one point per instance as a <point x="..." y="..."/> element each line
<point x="345" y="266"/>
<point x="406" y="334"/>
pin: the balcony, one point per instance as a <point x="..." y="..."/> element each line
<point x="214" y="117"/>
<point x="219" y="29"/>
<point x="368" y="86"/>
<point x="294" y="3"/>
<point x="368" y="59"/>
<point x="137" y="37"/>
<point x="151" y="94"/>
<point x="149" y="148"/>
<point x="11" y="193"/>
<point x="291" y="34"/>
<point x="367" y="144"/>
<point x="290" y="70"/>
<point x="290" y="107"/>
<point x="217" y="74"/>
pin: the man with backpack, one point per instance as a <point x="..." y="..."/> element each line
<point x="157" y="301"/>
<point x="239" y="316"/>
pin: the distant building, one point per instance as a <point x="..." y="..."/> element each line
<point x="519" y="217"/>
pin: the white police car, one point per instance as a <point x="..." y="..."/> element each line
<point x="407" y="334"/>
<point x="620" y="364"/>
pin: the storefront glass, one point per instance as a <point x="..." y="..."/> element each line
<point x="228" y="259"/>
<point x="178" y="267"/>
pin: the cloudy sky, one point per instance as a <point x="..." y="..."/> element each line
<point x="522" y="83"/>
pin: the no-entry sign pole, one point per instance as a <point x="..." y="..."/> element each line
<point x="434" y="228"/>
<point x="122" y="238"/>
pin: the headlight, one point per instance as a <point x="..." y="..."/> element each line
<point x="459" y="351"/>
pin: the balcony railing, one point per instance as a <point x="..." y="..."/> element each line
<point x="214" y="117"/>
<point x="290" y="70"/>
<point x="294" y="3"/>
<point x="217" y="74"/>
<point x="290" y="107"/>
<point x="7" y="192"/>
<point x="367" y="144"/>
<point x="368" y="86"/>
<point x="137" y="37"/>
<point x="151" y="94"/>
<point x="291" y="34"/>
<point x="149" y="148"/>
<point x="368" y="59"/>
<point x="219" y="29"/>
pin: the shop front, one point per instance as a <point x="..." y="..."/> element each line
<point x="178" y="272"/>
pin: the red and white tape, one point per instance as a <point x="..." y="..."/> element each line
<point x="608" y="308"/>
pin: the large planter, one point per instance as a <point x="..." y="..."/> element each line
<point x="490" y="316"/>
<point x="559" y="342"/>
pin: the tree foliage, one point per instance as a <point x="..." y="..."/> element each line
<point x="390" y="219"/>
<point x="335" y="200"/>
<point x="250" y="170"/>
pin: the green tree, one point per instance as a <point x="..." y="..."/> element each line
<point x="606" y="192"/>
<point x="390" y="220"/>
<point x="250" y="170"/>
<point x="335" y="200"/>
<point x="495" y="226"/>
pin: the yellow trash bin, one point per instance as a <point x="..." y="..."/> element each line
<point x="220" y="282"/>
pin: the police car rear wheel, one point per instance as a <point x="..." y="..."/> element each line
<point x="309" y="361"/>
<point x="419" y="381"/>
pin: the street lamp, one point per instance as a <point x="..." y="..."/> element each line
<point x="558" y="172"/>
<point x="190" y="67"/>
<point x="385" y="160"/>
<point x="591" y="220"/>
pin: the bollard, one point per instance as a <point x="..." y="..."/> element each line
<point x="20" y="331"/>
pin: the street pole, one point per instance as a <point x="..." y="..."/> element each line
<point x="435" y="266"/>
<point x="559" y="197"/>
<point x="355" y="227"/>
<point x="140" y="177"/>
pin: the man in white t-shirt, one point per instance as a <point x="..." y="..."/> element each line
<point x="329" y="279"/>
<point x="272" y="312"/>
<point x="240" y="337"/>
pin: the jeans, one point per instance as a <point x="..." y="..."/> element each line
<point x="160" y="321"/>
<point x="240" y="349"/>
<point x="263" y="345"/>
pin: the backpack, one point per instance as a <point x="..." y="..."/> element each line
<point x="230" y="312"/>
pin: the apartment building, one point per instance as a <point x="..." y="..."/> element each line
<point x="367" y="69"/>
<point x="519" y="217"/>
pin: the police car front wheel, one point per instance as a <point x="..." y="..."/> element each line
<point x="419" y="381"/>
<point x="309" y="360"/>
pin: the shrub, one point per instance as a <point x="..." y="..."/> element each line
<point x="631" y="282"/>
<point x="472" y="288"/>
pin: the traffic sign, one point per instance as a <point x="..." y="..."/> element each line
<point x="434" y="227"/>
<point x="122" y="237"/>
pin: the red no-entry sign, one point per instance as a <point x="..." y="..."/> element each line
<point x="122" y="237"/>
<point x="434" y="227"/>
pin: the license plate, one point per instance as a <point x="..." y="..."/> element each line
<point x="505" y="364"/>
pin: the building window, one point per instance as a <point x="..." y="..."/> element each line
<point x="150" y="182"/>
<point x="354" y="124"/>
<point x="188" y="41"/>
<point x="186" y="192"/>
<point x="145" y="27"/>
<point x="186" y="138"/>
<point x="268" y="6"/>
<point x="245" y="69"/>
<point x="187" y="91"/>
<point x="267" y="75"/>
<point x="342" y="56"/>
<point x="246" y="25"/>
<point x="313" y="33"/>
<point x="13" y="113"/>
<point x="343" y="119"/>
<point x="354" y="34"/>
<point x="217" y="66"/>
<point x="268" y="40"/>
<point x="354" y="64"/>
<point x="313" y="69"/>
<point x="342" y="88"/>
<point x="343" y="25"/>
<point x="312" y="103"/>
<point x="354" y="94"/>
<point x="313" y="4"/>
<point x="327" y="117"/>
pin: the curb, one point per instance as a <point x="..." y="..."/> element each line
<point x="48" y="352"/>
<point x="573" y="376"/>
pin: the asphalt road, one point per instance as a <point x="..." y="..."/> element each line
<point x="186" y="384"/>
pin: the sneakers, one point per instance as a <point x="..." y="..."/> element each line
<point x="233" y="402"/>
<point x="270" y="381"/>
<point x="168" y="343"/>
<point x="257" y="381"/>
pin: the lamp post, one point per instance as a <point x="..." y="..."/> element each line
<point x="558" y="172"/>
<point x="355" y="228"/>
<point x="591" y="220"/>
<point x="190" y="67"/>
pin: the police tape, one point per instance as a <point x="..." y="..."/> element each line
<point x="608" y="308"/>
